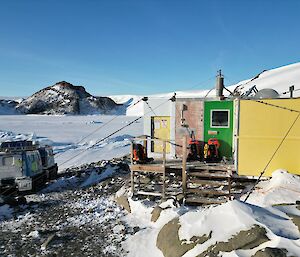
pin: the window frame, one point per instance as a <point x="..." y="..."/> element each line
<point x="211" y="116"/>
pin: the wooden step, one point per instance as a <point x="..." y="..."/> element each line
<point x="151" y="183"/>
<point x="208" y="182"/>
<point x="204" y="200"/>
<point x="148" y="193"/>
<point x="244" y="179"/>
<point x="147" y="168"/>
<point x="209" y="174"/>
<point x="211" y="168"/>
<point x="207" y="191"/>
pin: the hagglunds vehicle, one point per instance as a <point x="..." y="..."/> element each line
<point x="25" y="167"/>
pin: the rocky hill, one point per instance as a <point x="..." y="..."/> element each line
<point x="65" y="98"/>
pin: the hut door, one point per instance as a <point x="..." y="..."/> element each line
<point x="160" y="129"/>
<point x="218" y="123"/>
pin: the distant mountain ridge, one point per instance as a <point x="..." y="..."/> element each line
<point x="8" y="107"/>
<point x="65" y="98"/>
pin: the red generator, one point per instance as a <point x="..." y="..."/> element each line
<point x="211" y="150"/>
<point x="140" y="154"/>
<point x="195" y="149"/>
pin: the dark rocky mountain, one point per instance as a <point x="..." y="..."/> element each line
<point x="65" y="98"/>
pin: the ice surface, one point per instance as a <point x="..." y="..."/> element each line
<point x="72" y="137"/>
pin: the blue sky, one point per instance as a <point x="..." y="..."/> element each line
<point x="142" y="47"/>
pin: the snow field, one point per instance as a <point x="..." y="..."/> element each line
<point x="70" y="135"/>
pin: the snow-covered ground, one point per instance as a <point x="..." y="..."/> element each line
<point x="80" y="205"/>
<point x="73" y="137"/>
<point x="272" y="207"/>
<point x="67" y="134"/>
<point x="78" y="212"/>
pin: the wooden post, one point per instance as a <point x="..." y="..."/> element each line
<point x="229" y="187"/>
<point x="132" y="182"/>
<point x="229" y="171"/>
<point x="164" y="153"/>
<point x="131" y="152"/>
<point x="145" y="144"/>
<point x="184" y="156"/>
<point x="132" y="172"/>
<point x="164" y="171"/>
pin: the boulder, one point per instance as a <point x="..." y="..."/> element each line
<point x="122" y="200"/>
<point x="156" y="213"/>
<point x="169" y="243"/>
<point x="245" y="240"/>
<point x="271" y="252"/>
<point x="295" y="220"/>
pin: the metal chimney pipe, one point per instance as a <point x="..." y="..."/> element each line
<point x="219" y="84"/>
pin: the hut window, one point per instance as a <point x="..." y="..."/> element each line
<point x="219" y="119"/>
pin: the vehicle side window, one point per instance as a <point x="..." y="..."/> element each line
<point x="8" y="161"/>
<point x="50" y="152"/>
<point x="34" y="166"/>
<point x="38" y="158"/>
<point x="18" y="161"/>
<point x="34" y="161"/>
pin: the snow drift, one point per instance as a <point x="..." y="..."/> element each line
<point x="269" y="221"/>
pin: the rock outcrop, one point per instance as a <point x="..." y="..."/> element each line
<point x="171" y="246"/>
<point x="65" y="98"/>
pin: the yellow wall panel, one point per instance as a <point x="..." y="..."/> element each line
<point x="261" y="129"/>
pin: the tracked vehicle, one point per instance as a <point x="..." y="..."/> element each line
<point x="25" y="167"/>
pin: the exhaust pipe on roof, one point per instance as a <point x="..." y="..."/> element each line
<point x="219" y="85"/>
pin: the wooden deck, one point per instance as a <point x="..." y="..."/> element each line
<point x="197" y="182"/>
<point x="199" y="179"/>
